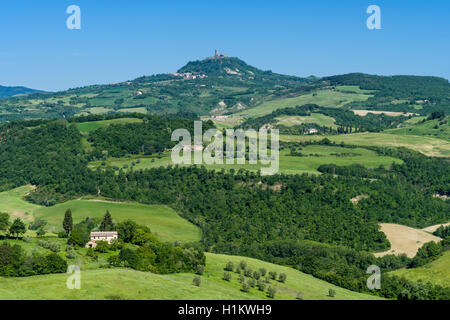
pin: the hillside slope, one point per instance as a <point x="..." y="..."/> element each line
<point x="115" y="284"/>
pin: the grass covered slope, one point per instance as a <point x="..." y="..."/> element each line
<point x="87" y="127"/>
<point x="436" y="272"/>
<point x="328" y="98"/>
<point x="314" y="157"/>
<point x="12" y="202"/>
<point x="118" y="284"/>
<point x="428" y="146"/>
<point x="162" y="220"/>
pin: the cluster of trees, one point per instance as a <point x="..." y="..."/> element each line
<point x="347" y="121"/>
<point x="15" y="263"/>
<point x="151" y="136"/>
<point x="16" y="228"/>
<point x="398" y="93"/>
<point x="442" y="232"/>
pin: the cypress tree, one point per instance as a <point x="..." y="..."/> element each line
<point x="107" y="223"/>
<point x="68" y="222"/>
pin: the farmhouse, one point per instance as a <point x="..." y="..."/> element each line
<point x="312" y="131"/>
<point x="101" y="236"/>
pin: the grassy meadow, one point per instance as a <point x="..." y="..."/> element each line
<point x="124" y="284"/>
<point x="315" y="156"/>
<point x="162" y="220"/>
<point x="87" y="127"/>
<point x="325" y="98"/>
<point x="436" y="272"/>
<point x="429" y="146"/>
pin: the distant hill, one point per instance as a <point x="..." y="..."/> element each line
<point x="12" y="91"/>
<point x="222" y="85"/>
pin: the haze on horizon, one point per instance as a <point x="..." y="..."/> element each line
<point x="124" y="40"/>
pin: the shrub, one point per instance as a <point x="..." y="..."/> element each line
<point x="245" y="287"/>
<point x="252" y="283"/>
<point x="271" y="292"/>
<point x="263" y="272"/>
<point x="197" y="281"/>
<point x="200" y="270"/>
<point x="50" y="245"/>
<point x="256" y="275"/>
<point x="62" y="235"/>
<point x="102" y="247"/>
<point x="227" y="276"/>
<point x="331" y="293"/>
<point x="273" y="275"/>
<point x="248" y="273"/>
<point x="243" y="265"/>
<point x="261" y="285"/>
<point x="267" y="279"/>
<point x="115" y="261"/>
<point x="229" y="266"/>
<point x="282" y="277"/>
<point x="241" y="279"/>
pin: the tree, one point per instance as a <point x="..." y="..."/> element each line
<point x="229" y="266"/>
<point x="271" y="292"/>
<point x="107" y="223"/>
<point x="282" y="278"/>
<point x="17" y="228"/>
<point x="68" y="222"/>
<point x="332" y="293"/>
<point x="126" y="230"/>
<point x="4" y="221"/>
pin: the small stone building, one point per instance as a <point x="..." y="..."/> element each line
<point x="107" y="236"/>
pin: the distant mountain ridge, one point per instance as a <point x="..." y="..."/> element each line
<point x="12" y="91"/>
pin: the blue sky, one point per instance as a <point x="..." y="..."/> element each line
<point x="121" y="40"/>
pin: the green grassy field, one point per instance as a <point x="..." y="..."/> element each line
<point x="12" y="202"/>
<point x="86" y="127"/>
<point x="431" y="128"/>
<point x="288" y="164"/>
<point x="115" y="284"/>
<point x="162" y="220"/>
<point x="317" y="118"/>
<point x="326" y="98"/>
<point x="436" y="272"/>
<point x="426" y="145"/>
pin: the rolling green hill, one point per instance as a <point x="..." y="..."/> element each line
<point x="439" y="128"/>
<point x="436" y="272"/>
<point x="314" y="157"/>
<point x="12" y="91"/>
<point x="122" y="284"/>
<point x="162" y="220"/>
<point x="426" y="145"/>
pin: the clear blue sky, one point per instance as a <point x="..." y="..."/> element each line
<point x="125" y="39"/>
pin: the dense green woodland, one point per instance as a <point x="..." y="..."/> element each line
<point x="431" y="93"/>
<point x="150" y="137"/>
